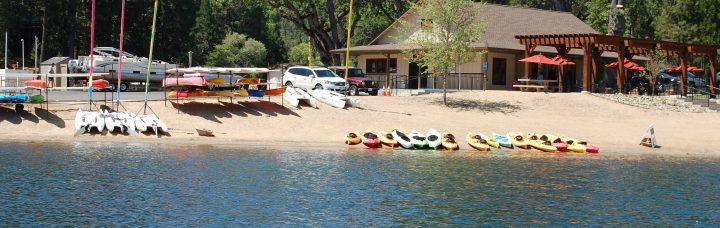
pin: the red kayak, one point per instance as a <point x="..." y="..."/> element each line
<point x="562" y="147"/>
<point x="35" y="84"/>
<point x="179" y="94"/>
<point x="593" y="149"/>
<point x="100" y="84"/>
<point x="371" y="140"/>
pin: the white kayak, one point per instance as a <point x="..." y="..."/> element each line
<point x="403" y="139"/>
<point x="98" y="123"/>
<point x="292" y="97"/>
<point x="326" y="97"/>
<point x="307" y="97"/>
<point x="349" y="101"/>
<point x="83" y="120"/>
<point x="112" y="122"/>
<point x="151" y="122"/>
<point x="433" y="139"/>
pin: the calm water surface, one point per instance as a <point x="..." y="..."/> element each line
<point x="136" y="184"/>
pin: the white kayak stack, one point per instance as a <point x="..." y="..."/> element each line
<point x="295" y="95"/>
<point x="334" y="99"/>
<point x="118" y="122"/>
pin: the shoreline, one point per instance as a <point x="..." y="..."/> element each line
<point x="615" y="127"/>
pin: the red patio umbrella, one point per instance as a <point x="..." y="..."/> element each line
<point x="628" y="64"/>
<point x="539" y="59"/>
<point x="690" y="68"/>
<point x="561" y="62"/>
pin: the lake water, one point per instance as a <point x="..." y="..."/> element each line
<point x="137" y="184"/>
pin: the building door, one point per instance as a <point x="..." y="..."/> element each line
<point x="499" y="71"/>
<point x="416" y="73"/>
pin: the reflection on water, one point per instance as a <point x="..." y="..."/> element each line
<point x="136" y="184"/>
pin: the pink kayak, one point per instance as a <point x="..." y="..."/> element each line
<point x="185" y="81"/>
<point x="562" y="147"/>
<point x="593" y="149"/>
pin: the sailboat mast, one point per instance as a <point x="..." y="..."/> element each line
<point x="120" y="56"/>
<point x="92" y="55"/>
<point x="150" y="56"/>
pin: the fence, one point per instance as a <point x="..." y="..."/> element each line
<point x="454" y="81"/>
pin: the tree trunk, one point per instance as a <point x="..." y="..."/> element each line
<point x="70" y="23"/>
<point x="445" y="75"/>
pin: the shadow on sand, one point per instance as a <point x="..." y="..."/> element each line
<point x="10" y="115"/>
<point x="215" y="111"/>
<point x="503" y="107"/>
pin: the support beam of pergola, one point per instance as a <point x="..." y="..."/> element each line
<point x="593" y="45"/>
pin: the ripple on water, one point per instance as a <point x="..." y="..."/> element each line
<point x="138" y="184"/>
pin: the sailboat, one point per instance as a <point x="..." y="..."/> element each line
<point x="86" y="121"/>
<point x="147" y="122"/>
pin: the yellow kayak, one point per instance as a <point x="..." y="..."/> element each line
<point x="519" y="140"/>
<point x="574" y="145"/>
<point x="215" y="81"/>
<point x="387" y="139"/>
<point x="490" y="141"/>
<point x="544" y="146"/>
<point x="353" y="138"/>
<point x="475" y="141"/>
<point x="241" y="93"/>
<point x="448" y="142"/>
<point x="224" y="93"/>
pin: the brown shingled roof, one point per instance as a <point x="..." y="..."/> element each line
<point x="503" y="23"/>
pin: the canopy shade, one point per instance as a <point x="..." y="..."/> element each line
<point x="628" y="64"/>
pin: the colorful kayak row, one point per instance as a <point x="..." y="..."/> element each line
<point x="21" y="98"/>
<point x="226" y="93"/>
<point x="478" y="141"/>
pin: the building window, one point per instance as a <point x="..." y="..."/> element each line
<point x="380" y="66"/>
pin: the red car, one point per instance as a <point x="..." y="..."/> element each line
<point x="356" y="80"/>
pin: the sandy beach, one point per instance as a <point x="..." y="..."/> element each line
<point x="617" y="128"/>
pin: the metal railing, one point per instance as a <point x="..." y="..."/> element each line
<point x="454" y="81"/>
<point x="700" y="96"/>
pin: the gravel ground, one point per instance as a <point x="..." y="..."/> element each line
<point x="667" y="103"/>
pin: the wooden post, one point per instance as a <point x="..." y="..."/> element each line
<point x="620" y="49"/>
<point x="595" y="68"/>
<point x="562" y="52"/>
<point x="528" y="52"/>
<point x="387" y="70"/>
<point x="683" y="72"/>
<point x="586" y="66"/>
<point x="713" y="71"/>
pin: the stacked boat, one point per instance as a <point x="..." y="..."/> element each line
<point x="123" y="122"/>
<point x="334" y="99"/>
<point x="434" y="140"/>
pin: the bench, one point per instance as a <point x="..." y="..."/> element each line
<point x="538" y="85"/>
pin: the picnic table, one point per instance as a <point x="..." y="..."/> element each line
<point x="539" y="85"/>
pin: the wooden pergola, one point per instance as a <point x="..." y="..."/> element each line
<point x="593" y="45"/>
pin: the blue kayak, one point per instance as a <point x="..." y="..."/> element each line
<point x="18" y="98"/>
<point x="256" y="93"/>
<point x="503" y="140"/>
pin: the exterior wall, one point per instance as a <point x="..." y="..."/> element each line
<point x="470" y="74"/>
<point x="394" y="32"/>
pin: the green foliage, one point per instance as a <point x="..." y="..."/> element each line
<point x="454" y="25"/>
<point x="238" y="50"/>
<point x="303" y="54"/>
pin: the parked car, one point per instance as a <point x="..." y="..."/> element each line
<point x="306" y="77"/>
<point x="692" y="79"/>
<point x="357" y="81"/>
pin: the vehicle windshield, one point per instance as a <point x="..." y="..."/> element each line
<point x="324" y="73"/>
<point x="357" y="73"/>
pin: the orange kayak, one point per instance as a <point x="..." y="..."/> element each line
<point x="36" y="84"/>
<point x="275" y="92"/>
<point x="251" y="81"/>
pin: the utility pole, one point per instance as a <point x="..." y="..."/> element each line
<point x="5" y="50"/>
<point x="190" y="59"/>
<point x="23" y="53"/>
<point x="36" y="54"/>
